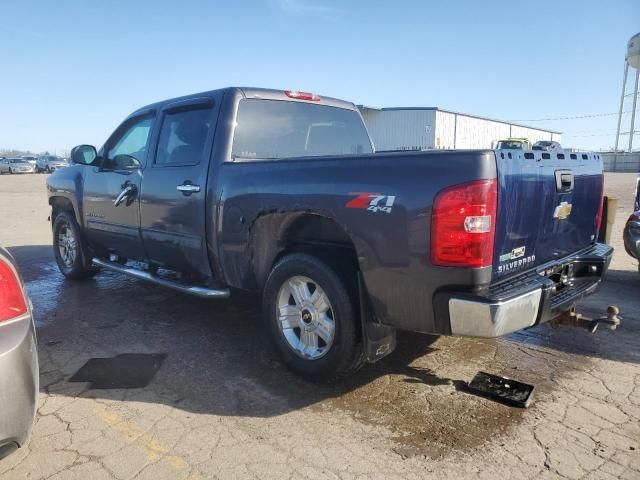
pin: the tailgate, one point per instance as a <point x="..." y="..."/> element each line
<point x="547" y="207"/>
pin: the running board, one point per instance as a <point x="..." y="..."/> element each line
<point x="203" y="292"/>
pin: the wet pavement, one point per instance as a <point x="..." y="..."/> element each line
<point x="221" y="405"/>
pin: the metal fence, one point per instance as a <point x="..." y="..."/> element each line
<point x="621" y="162"/>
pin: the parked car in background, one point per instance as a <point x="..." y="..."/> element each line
<point x="16" y="165"/>
<point x="514" y="144"/>
<point x="547" y="146"/>
<point x="18" y="359"/>
<point x="50" y="163"/>
<point x="29" y="158"/>
<point x="631" y="234"/>
<point x="346" y="245"/>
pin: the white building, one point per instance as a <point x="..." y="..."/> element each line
<point x="425" y="128"/>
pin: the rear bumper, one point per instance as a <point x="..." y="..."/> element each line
<point x="525" y="300"/>
<point x="18" y="382"/>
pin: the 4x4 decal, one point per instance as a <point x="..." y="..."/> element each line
<point x="373" y="202"/>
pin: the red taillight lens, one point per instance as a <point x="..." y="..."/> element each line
<point x="12" y="301"/>
<point x="600" y="208"/>
<point x="302" y="95"/>
<point x="463" y="225"/>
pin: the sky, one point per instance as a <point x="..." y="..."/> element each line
<point x="71" y="70"/>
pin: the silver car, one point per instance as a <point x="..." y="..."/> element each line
<point x="50" y="163"/>
<point x="18" y="359"/>
<point x="16" y="165"/>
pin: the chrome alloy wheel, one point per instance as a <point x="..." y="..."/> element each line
<point x="67" y="246"/>
<point x="305" y="317"/>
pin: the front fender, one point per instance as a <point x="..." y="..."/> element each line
<point x="65" y="189"/>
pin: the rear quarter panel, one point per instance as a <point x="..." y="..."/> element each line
<point x="392" y="247"/>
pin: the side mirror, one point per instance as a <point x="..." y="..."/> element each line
<point x="83" y="154"/>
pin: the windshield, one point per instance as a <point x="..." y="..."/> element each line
<point x="17" y="160"/>
<point x="274" y="129"/>
<point x="544" y="144"/>
<point x="511" y="145"/>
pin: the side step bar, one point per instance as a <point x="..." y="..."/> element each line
<point x="203" y="292"/>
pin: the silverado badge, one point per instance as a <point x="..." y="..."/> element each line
<point x="562" y="211"/>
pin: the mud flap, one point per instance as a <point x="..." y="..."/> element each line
<point x="379" y="340"/>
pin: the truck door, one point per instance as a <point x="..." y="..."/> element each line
<point x="173" y="198"/>
<point x="111" y="190"/>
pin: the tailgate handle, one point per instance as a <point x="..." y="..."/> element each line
<point x="564" y="180"/>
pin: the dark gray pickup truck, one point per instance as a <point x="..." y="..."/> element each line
<point x="280" y="192"/>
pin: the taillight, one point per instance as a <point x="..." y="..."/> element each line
<point x="599" y="215"/>
<point x="463" y="224"/>
<point x="302" y="95"/>
<point x="12" y="301"/>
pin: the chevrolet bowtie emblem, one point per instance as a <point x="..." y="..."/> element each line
<point x="562" y="211"/>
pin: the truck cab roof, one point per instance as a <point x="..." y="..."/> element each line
<point x="253" y="92"/>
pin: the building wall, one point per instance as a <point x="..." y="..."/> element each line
<point x="401" y="129"/>
<point x="478" y="133"/>
<point x="430" y="128"/>
<point x="445" y="130"/>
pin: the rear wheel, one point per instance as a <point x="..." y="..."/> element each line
<point x="312" y="318"/>
<point x="70" y="248"/>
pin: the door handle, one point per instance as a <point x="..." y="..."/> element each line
<point x="128" y="190"/>
<point x="188" y="188"/>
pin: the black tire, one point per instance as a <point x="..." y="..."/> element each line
<point x="79" y="266"/>
<point x="345" y="355"/>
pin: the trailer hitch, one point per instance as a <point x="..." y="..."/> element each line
<point x="572" y="318"/>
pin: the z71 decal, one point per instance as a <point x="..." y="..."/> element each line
<point x="372" y="202"/>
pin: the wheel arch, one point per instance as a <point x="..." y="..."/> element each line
<point x="276" y="235"/>
<point x="62" y="204"/>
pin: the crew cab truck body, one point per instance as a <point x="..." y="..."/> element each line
<point x="281" y="193"/>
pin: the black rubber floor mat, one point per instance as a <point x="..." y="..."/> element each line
<point x="128" y="370"/>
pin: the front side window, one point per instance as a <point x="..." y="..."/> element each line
<point x="183" y="137"/>
<point x="131" y="145"/>
<point x="274" y="129"/>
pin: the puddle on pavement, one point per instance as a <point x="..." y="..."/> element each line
<point x="49" y="290"/>
<point x="421" y="397"/>
<point x="128" y="370"/>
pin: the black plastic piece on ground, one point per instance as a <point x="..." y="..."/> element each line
<point x="128" y="370"/>
<point x="502" y="389"/>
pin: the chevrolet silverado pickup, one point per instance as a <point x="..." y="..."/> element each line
<point x="282" y="193"/>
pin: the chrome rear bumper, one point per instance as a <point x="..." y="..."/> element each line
<point x="493" y="319"/>
<point x="525" y="300"/>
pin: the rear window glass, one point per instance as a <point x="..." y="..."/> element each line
<point x="182" y="137"/>
<point x="274" y="129"/>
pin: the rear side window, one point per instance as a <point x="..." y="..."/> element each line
<point x="274" y="129"/>
<point x="183" y="137"/>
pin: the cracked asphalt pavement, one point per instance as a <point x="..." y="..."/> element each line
<point x="222" y="406"/>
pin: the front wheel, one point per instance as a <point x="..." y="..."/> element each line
<point x="70" y="249"/>
<point x="312" y="318"/>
